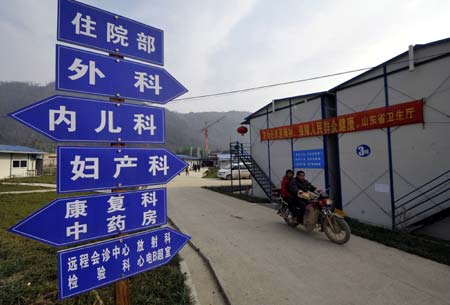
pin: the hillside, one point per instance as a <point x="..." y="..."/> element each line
<point x="182" y="129"/>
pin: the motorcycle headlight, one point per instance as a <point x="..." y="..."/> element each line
<point x="329" y="201"/>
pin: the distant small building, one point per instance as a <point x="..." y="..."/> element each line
<point x="20" y="161"/>
<point x="223" y="160"/>
<point x="189" y="159"/>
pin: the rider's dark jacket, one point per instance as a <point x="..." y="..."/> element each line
<point x="299" y="185"/>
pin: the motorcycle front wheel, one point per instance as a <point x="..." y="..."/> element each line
<point x="291" y="222"/>
<point x="336" y="229"/>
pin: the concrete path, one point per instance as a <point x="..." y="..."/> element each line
<point x="28" y="192"/>
<point x="49" y="185"/>
<point x="259" y="260"/>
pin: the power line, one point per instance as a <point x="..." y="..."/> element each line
<point x="270" y="85"/>
<point x="299" y="80"/>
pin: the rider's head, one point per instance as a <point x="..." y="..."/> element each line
<point x="301" y="175"/>
<point x="289" y="173"/>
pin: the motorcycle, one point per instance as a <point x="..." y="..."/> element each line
<point x="319" y="213"/>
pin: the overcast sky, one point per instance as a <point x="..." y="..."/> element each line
<point x="215" y="46"/>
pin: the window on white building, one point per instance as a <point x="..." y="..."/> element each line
<point x="20" y="163"/>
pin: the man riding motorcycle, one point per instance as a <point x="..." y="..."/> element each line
<point x="298" y="186"/>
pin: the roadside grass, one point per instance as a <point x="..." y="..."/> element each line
<point x="425" y="246"/>
<point x="234" y="192"/>
<point x="421" y="245"/>
<point x="28" y="271"/>
<point x="15" y="187"/>
<point x="211" y="172"/>
<point x="51" y="179"/>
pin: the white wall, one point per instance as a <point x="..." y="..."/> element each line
<point x="306" y="112"/>
<point x="4" y="165"/>
<point x="419" y="152"/>
<point x="280" y="150"/>
<point x="362" y="178"/>
<point x="422" y="152"/>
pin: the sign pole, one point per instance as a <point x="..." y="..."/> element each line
<point x="122" y="287"/>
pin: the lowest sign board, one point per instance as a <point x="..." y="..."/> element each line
<point x="93" y="168"/>
<point x="73" y="119"/>
<point x="87" y="267"/>
<point x="67" y="221"/>
<point x="87" y="72"/>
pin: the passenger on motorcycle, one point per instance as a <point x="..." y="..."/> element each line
<point x="299" y="185"/>
<point x="287" y="179"/>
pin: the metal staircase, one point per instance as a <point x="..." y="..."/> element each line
<point x="426" y="201"/>
<point x="240" y="151"/>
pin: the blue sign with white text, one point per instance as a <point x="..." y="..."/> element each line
<point x="312" y="158"/>
<point x="86" y="72"/>
<point x="67" y="221"/>
<point x="87" y="267"/>
<point x="72" y="119"/>
<point x="95" y="168"/>
<point x="89" y="26"/>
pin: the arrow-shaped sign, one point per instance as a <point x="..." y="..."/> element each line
<point x="72" y="220"/>
<point x="87" y="267"/>
<point x="87" y="72"/>
<point x="95" y="168"/>
<point x="72" y="119"/>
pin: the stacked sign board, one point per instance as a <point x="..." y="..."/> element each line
<point x="72" y="119"/>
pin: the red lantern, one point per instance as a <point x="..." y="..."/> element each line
<point x="242" y="130"/>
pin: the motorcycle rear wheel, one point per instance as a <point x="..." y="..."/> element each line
<point x="341" y="232"/>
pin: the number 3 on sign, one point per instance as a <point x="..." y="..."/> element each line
<point x="363" y="150"/>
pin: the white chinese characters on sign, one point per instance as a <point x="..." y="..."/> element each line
<point x="79" y="167"/>
<point x="144" y="122"/>
<point x="149" y="218"/>
<point x="148" y="198"/>
<point x="146" y="43"/>
<point x="76" y="229"/>
<point x="84" y="25"/>
<point x="124" y="162"/>
<point x="111" y="128"/>
<point x="115" y="204"/>
<point x="76" y="209"/>
<point x="81" y="70"/>
<point x="158" y="164"/>
<point x="145" y="81"/>
<point x="64" y="116"/>
<point x="116" y="223"/>
<point x="138" y="257"/>
<point x="116" y="34"/>
<point x="72" y="282"/>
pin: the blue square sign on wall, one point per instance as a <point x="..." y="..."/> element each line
<point x="312" y="158"/>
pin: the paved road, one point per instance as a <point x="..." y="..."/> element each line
<point x="261" y="261"/>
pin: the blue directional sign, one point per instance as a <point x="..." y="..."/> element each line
<point x="94" y="168"/>
<point x="88" y="26"/>
<point x="87" y="267"/>
<point x="73" y="220"/>
<point x="311" y="158"/>
<point x="71" y="119"/>
<point x="87" y="72"/>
